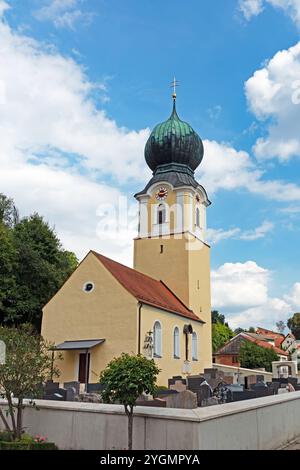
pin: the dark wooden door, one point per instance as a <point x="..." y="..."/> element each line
<point x="84" y="368"/>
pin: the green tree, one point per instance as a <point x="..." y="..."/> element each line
<point x="252" y="356"/>
<point x="217" y="317"/>
<point x="294" y="325"/>
<point x="221" y="334"/>
<point x="280" y="325"/>
<point x="33" y="270"/>
<point x="9" y="214"/>
<point x="28" y="365"/>
<point x="125" y="379"/>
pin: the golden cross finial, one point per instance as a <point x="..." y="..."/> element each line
<point x="174" y="84"/>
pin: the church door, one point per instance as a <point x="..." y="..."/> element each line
<point x="84" y="368"/>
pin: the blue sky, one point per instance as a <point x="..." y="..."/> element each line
<point x="83" y="82"/>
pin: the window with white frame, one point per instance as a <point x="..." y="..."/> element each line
<point x="176" y="343"/>
<point x="157" y="340"/>
<point x="161" y="214"/>
<point x="194" y="346"/>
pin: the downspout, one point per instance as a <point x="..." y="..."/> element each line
<point x="139" y="327"/>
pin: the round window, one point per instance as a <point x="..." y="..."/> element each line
<point x="88" y="287"/>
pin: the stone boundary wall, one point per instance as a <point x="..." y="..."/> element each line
<point x="262" y="423"/>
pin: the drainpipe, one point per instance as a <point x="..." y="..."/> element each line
<point x="139" y="327"/>
<point x="86" y="370"/>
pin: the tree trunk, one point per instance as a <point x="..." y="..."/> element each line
<point x="20" y="418"/>
<point x="129" y="413"/>
<point x="12" y="414"/>
<point x="4" y="420"/>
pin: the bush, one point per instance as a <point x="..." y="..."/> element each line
<point x="6" y="436"/>
<point x="20" y="445"/>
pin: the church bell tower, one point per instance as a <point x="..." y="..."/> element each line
<point x="171" y="244"/>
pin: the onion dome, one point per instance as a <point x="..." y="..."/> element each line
<point x="174" y="146"/>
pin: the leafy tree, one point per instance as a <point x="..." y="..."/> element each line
<point x="9" y="214"/>
<point x="221" y="334"/>
<point x="28" y="364"/>
<point x="217" y="317"/>
<point x="280" y="325"/>
<point x="294" y="325"/>
<point x="125" y="379"/>
<point x="252" y="329"/>
<point x="237" y="331"/>
<point x="33" y="268"/>
<point x="252" y="356"/>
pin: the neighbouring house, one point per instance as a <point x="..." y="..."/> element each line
<point x="162" y="307"/>
<point x="229" y="353"/>
<point x="288" y="341"/>
<point x="272" y="336"/>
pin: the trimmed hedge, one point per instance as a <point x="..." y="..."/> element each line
<point x="19" y="445"/>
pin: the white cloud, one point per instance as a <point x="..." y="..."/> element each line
<point x="273" y="92"/>
<point x="260" y="232"/>
<point x="294" y="298"/>
<point x="251" y="8"/>
<point x="63" y="13"/>
<point x="3" y="7"/>
<point x="239" y="285"/>
<point x="226" y="168"/>
<point x="242" y="292"/>
<point x="216" y="235"/>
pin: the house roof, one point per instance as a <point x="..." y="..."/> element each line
<point x="263" y="343"/>
<point x="233" y="346"/>
<point x="277" y="337"/>
<point x="146" y="289"/>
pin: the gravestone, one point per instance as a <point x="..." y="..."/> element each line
<point x="273" y="387"/>
<point x="251" y="381"/>
<point x="58" y="394"/>
<point x="89" y="398"/>
<point x="210" y="401"/>
<point x="178" y="385"/>
<point x="194" y="382"/>
<point x="204" y="393"/>
<point x="293" y="381"/>
<point x="73" y="385"/>
<point x="71" y="394"/>
<point x="184" y="400"/>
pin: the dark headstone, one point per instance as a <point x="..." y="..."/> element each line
<point x="73" y="385"/>
<point x="94" y="388"/>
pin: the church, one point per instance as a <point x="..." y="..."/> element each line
<point x="162" y="307"/>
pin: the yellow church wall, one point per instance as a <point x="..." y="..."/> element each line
<point x="109" y="312"/>
<point x="184" y="266"/>
<point x="171" y="266"/>
<point x="200" y="293"/>
<point x="168" y="364"/>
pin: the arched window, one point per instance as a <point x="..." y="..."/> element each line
<point x="194" y="346"/>
<point x="161" y="214"/>
<point x="176" y="343"/>
<point x="157" y="340"/>
<point x="198" y="217"/>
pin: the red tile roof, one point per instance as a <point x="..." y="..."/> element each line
<point x="277" y="337"/>
<point x="264" y="344"/>
<point x="146" y="289"/>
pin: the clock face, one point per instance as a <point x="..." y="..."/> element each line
<point x="161" y="194"/>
